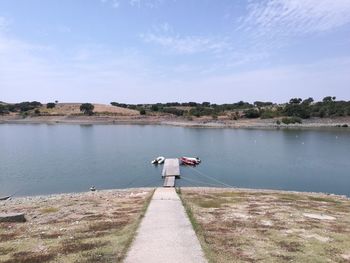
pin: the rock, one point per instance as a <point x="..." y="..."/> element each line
<point x="16" y="217"/>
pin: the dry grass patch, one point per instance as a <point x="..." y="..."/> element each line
<point x="48" y="210"/>
<point x="269" y="226"/>
<point x="30" y="257"/>
<point x="94" y="227"/>
<point x="63" y="109"/>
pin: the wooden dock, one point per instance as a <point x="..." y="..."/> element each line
<point x="169" y="181"/>
<point x="171" y="171"/>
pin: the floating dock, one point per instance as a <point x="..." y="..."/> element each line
<point x="171" y="171"/>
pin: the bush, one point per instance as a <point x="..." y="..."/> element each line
<point x="278" y="122"/>
<point x="252" y="114"/>
<point x="206" y="104"/>
<point x="262" y="104"/>
<point x="3" y="109"/>
<point x="50" y="105"/>
<point x="174" y="111"/>
<point x="132" y="107"/>
<point x="268" y="114"/>
<point x="142" y="112"/>
<point x="297" y="110"/>
<point x="201" y="111"/>
<point x="27" y="106"/>
<point x="37" y="112"/>
<point x="291" y="120"/>
<point x="116" y="104"/>
<point x="87" y="108"/>
<point x="154" y="107"/>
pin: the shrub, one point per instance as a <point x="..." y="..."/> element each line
<point x="3" y="109"/>
<point x="268" y="114"/>
<point x="142" y="112"/>
<point x="27" y="106"/>
<point x="154" y="107"/>
<point x="87" y="108"/>
<point x="174" y="111"/>
<point x="201" y="111"/>
<point x="50" y="105"/>
<point x="262" y="104"/>
<point x="291" y="120"/>
<point x="251" y="114"/>
<point x="278" y="122"/>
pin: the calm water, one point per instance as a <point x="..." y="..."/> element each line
<point x="41" y="159"/>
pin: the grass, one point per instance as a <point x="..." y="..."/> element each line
<point x="260" y="226"/>
<point x="49" y="210"/>
<point x="95" y="227"/>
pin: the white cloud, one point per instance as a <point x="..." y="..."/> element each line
<point x="134" y="3"/>
<point x="290" y="17"/>
<point x="187" y="45"/>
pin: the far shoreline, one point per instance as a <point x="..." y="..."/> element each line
<point x="309" y="124"/>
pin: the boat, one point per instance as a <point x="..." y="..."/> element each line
<point x="5" y="198"/>
<point x="194" y="159"/>
<point x="158" y="160"/>
<point x="189" y="161"/>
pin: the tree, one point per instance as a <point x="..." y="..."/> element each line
<point x="3" y="109"/>
<point x="308" y="101"/>
<point x="56" y="101"/>
<point x="87" y="108"/>
<point x="154" y="107"/>
<point x="295" y="101"/>
<point x="262" y="104"/>
<point x="206" y="104"/>
<point x="251" y="114"/>
<point x="329" y="99"/>
<point x="50" y="105"/>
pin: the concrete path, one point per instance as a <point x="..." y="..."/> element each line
<point x="165" y="233"/>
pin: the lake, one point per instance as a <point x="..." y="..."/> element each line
<point x="44" y="159"/>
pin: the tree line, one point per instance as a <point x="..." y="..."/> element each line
<point x="295" y="108"/>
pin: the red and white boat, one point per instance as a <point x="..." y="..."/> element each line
<point x="190" y="161"/>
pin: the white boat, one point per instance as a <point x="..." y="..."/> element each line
<point x="158" y="160"/>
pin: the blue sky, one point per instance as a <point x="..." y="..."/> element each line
<point x="138" y="51"/>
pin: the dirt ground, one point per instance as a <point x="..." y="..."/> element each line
<point x="267" y="226"/>
<point x="85" y="227"/>
<point x="74" y="108"/>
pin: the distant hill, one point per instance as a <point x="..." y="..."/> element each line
<point x="74" y="108"/>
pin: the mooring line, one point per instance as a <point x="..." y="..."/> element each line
<point x="209" y="177"/>
<point x="200" y="182"/>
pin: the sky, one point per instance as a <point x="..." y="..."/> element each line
<point x="148" y="51"/>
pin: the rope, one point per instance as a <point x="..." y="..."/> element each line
<point x="200" y="182"/>
<point x="209" y="177"/>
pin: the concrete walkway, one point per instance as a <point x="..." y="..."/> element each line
<point x="165" y="233"/>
